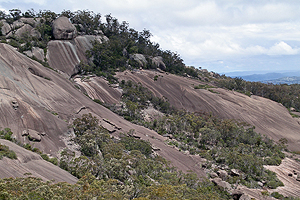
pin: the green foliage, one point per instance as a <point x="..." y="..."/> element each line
<point x="5" y="152"/>
<point x="87" y="22"/>
<point x="126" y="168"/>
<point x="224" y="142"/>
<point x="131" y="143"/>
<point x="6" y="134"/>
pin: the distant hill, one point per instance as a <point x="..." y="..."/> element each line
<point x="266" y="77"/>
<point x="284" y="80"/>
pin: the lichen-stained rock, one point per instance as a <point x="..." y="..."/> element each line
<point x="63" y="29"/>
<point x="63" y="56"/>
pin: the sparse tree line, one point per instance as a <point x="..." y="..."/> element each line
<point x="107" y="57"/>
<point x="287" y="95"/>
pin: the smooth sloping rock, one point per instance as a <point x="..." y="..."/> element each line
<point x="62" y="55"/>
<point x="63" y="29"/>
<point x="97" y="88"/>
<point x="30" y="162"/>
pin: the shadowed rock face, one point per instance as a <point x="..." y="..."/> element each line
<point x="269" y="118"/>
<point x="48" y="105"/>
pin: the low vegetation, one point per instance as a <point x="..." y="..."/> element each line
<point x="223" y="142"/>
<point x="127" y="168"/>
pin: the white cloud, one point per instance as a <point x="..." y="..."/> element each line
<point x="282" y="48"/>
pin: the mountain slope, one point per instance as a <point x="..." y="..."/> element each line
<point x="45" y="106"/>
<point x="269" y="118"/>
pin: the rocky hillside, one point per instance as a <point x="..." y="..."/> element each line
<point x="53" y="71"/>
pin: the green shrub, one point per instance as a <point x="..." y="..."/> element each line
<point x="5" y="152"/>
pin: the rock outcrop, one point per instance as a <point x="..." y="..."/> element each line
<point x="63" y="29"/>
<point x="65" y="55"/>
<point x="37" y="52"/>
<point x="140" y="59"/>
<point x="158" y="62"/>
<point x="5" y="29"/>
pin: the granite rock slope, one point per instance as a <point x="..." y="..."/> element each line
<point x="268" y="117"/>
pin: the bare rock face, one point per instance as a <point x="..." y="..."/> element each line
<point x="158" y="62"/>
<point x="269" y="118"/>
<point x="49" y="106"/>
<point x="222" y="174"/>
<point x="234" y="172"/>
<point x="63" y="29"/>
<point x="5" y="29"/>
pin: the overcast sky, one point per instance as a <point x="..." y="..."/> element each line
<point x="219" y="35"/>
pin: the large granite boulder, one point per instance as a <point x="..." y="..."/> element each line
<point x="63" y="29"/>
<point x="26" y="29"/>
<point x="158" y="62"/>
<point x="17" y="24"/>
<point x="31" y="21"/>
<point x="139" y="58"/>
<point x="5" y="28"/>
<point x="37" y="52"/>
